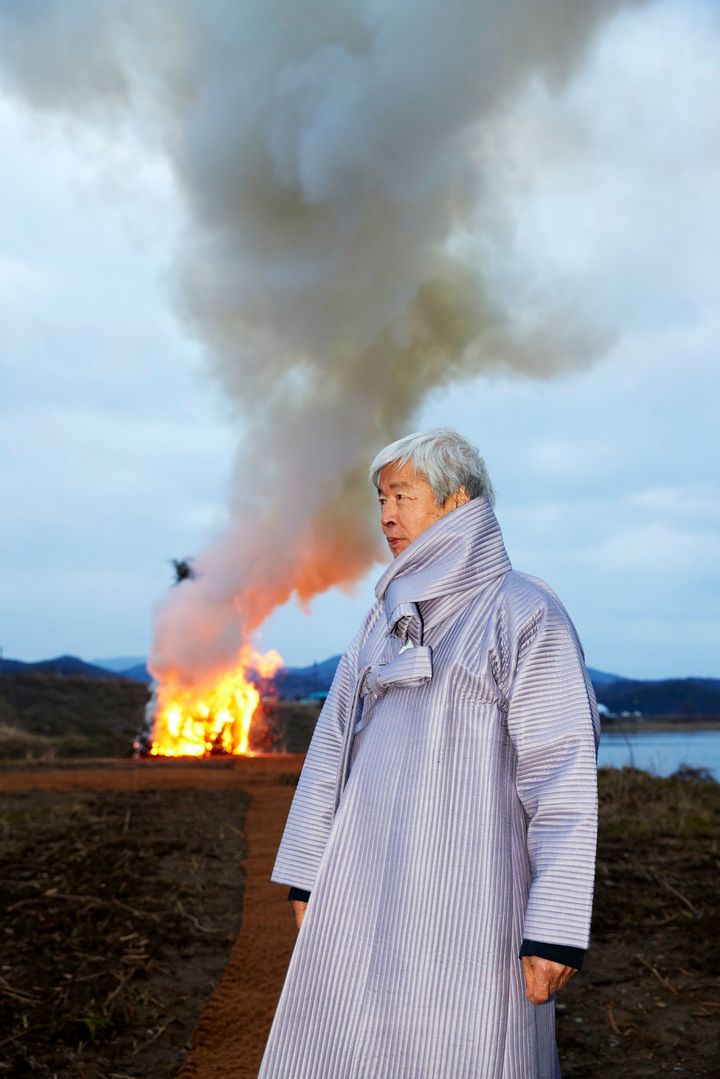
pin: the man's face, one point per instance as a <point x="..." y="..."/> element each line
<point x="408" y="506"/>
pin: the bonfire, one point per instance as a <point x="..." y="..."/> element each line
<point x="213" y="718"/>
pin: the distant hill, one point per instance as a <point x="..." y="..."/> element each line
<point x="119" y="664"/>
<point x="13" y="666"/>
<point x="601" y="678"/>
<point x="664" y="697"/>
<point x="670" y="697"/>
<point x="297" y="683"/>
<point x="139" y="673"/>
<point x="63" y="666"/>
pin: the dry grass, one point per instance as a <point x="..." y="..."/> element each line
<point x="635" y="804"/>
<point x="646" y="1003"/>
<point x="74" y="717"/>
<point x="17" y="745"/>
<point x="119" y="910"/>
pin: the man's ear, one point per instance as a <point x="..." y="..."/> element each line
<point x="457" y="499"/>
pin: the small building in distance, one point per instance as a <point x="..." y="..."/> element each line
<point x="319" y="696"/>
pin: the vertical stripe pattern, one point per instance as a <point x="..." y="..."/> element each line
<point x="446" y="810"/>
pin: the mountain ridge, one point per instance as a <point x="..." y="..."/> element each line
<point x="664" y="696"/>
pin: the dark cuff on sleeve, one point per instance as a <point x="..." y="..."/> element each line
<point x="556" y="953"/>
<point x="300" y="894"/>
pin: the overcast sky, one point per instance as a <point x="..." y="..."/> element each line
<point x="117" y="446"/>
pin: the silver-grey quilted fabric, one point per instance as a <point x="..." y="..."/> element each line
<point x="446" y="810"/>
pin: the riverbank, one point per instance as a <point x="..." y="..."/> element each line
<point x="662" y="753"/>
<point x="657" y="724"/>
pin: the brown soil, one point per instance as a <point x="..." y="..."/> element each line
<point x="147" y="834"/>
<point x="648" y="1002"/>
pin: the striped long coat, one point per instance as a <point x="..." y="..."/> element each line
<point x="446" y="811"/>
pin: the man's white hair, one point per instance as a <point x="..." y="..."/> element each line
<point x="444" y="458"/>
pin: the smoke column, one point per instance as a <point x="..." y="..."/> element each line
<point x="332" y="156"/>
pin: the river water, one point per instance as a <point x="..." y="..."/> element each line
<point x="661" y="752"/>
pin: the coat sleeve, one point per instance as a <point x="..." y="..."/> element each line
<point x="311" y="814"/>
<point x="553" y="723"/>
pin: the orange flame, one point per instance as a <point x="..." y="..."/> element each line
<point x="198" y="721"/>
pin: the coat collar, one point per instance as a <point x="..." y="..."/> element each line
<point x="461" y="552"/>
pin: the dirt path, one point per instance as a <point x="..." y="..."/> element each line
<point x="230" y="1037"/>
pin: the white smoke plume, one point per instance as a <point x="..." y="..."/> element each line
<point x="332" y="155"/>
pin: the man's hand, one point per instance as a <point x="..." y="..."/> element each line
<point x="543" y="978"/>
<point x="299" y="909"/>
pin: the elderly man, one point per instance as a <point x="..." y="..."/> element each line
<point x="443" y="829"/>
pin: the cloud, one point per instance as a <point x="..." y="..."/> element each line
<point x="318" y="264"/>
<point x="607" y="478"/>
<point x="115" y="453"/>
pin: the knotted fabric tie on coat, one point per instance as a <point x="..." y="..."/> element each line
<point x="411" y="667"/>
<point x="405" y="622"/>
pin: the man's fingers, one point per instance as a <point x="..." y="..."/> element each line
<point x="564" y="979"/>
<point x="540" y="991"/>
<point x="543" y="978"/>
<point x="536" y="988"/>
<point x="299" y="908"/>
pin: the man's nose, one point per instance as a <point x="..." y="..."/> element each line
<point x="387" y="515"/>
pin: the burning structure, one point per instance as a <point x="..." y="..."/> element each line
<point x="202" y="721"/>
<point x="212" y="717"/>
<point x="345" y="254"/>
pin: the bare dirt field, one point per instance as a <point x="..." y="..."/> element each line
<point x="140" y="920"/>
<point x="122" y="886"/>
